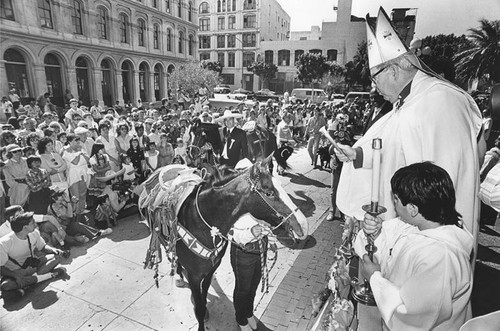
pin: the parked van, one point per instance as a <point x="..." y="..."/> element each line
<point x="314" y="95"/>
<point x="361" y="95"/>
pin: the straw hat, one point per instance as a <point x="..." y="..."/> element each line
<point x="229" y="114"/>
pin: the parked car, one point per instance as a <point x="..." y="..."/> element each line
<point x="314" y="95"/>
<point x="222" y="89"/>
<point x="265" y="94"/>
<point x="361" y="95"/>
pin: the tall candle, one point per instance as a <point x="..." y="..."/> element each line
<point x="377" y="147"/>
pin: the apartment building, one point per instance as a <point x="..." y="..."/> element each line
<point x="106" y="50"/>
<point x="231" y="32"/>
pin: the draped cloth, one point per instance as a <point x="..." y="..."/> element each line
<point x="437" y="122"/>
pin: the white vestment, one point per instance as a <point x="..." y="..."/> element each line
<point x="426" y="278"/>
<point x="437" y="122"/>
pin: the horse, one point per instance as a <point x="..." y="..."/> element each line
<point x="210" y="211"/>
<point x="207" y="143"/>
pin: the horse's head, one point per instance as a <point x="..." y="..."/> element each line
<point x="269" y="201"/>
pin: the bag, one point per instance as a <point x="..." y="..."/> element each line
<point x="31" y="262"/>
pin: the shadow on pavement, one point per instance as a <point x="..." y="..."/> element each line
<point x="35" y="294"/>
<point x="289" y="243"/>
<point x="303" y="180"/>
<point x="305" y="203"/>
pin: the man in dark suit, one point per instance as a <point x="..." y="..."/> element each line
<point x="379" y="107"/>
<point x="235" y="140"/>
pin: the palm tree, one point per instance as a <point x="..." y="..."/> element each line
<point x="481" y="56"/>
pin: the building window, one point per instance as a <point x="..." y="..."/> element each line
<point x="156" y="36"/>
<point x="331" y="55"/>
<point x="167" y="6"/>
<point x="204" y="8"/>
<point x="221" y="6"/>
<point x="231" y="41"/>
<point x="181" y="42"/>
<point x="231" y="5"/>
<point x="220" y="58"/>
<point x="204" y="42"/>
<point x="221" y="23"/>
<point x="141" y="28"/>
<point x="249" y="4"/>
<point x="231" y="60"/>
<point x="221" y="41"/>
<point x="204" y="56"/>
<point x="102" y="23"/>
<point x="6" y="10"/>
<point x="155" y="4"/>
<point x="249" y="21"/>
<point x="249" y="40"/>
<point x="268" y="57"/>
<point x="179" y="9"/>
<point x="190" y="44"/>
<point x="298" y="53"/>
<point x="123" y="29"/>
<point x="190" y="12"/>
<point x="16" y="71"/>
<point x="76" y="17"/>
<point x="227" y="79"/>
<point x="204" y="24"/>
<point x="45" y="13"/>
<point x="248" y="59"/>
<point x="231" y="22"/>
<point x="169" y="40"/>
<point x="316" y="51"/>
<point x="284" y="57"/>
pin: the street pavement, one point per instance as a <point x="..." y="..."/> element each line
<point x="108" y="289"/>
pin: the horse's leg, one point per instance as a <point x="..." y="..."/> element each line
<point x="179" y="278"/>
<point x="199" y="301"/>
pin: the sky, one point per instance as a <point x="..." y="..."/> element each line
<point x="433" y="16"/>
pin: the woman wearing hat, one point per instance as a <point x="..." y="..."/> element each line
<point x="15" y="172"/>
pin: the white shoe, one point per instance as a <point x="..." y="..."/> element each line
<point x="252" y="322"/>
<point x="245" y="327"/>
<point x="106" y="232"/>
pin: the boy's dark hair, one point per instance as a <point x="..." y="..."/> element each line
<point x="31" y="159"/>
<point x="429" y="187"/>
<point x="101" y="199"/>
<point x="28" y="149"/>
<point x="12" y="210"/>
<point x="20" y="221"/>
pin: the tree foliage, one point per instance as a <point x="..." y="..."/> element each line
<point x="191" y="76"/>
<point x="311" y="68"/>
<point x="265" y="71"/>
<point x="214" y="66"/>
<point x="357" y="71"/>
<point x="481" y="56"/>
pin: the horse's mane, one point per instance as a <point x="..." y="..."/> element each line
<point x="226" y="175"/>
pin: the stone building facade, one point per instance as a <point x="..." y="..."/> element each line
<point x="105" y="50"/>
<point x="232" y="31"/>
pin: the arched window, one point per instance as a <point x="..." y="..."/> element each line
<point x="331" y="55"/>
<point x="107" y="82"/>
<point x="45" y="14"/>
<point x="249" y="4"/>
<point x="143" y="81"/>
<point x="53" y="75"/>
<point x="127" y="74"/>
<point x="268" y="57"/>
<point x="221" y="6"/>
<point x="82" y="79"/>
<point x="124" y="29"/>
<point x="102" y="22"/>
<point x="190" y="11"/>
<point x="204" y="24"/>
<point x="191" y="44"/>
<point x="204" y="8"/>
<point x="156" y="36"/>
<point x="298" y="53"/>
<point x="284" y="57"/>
<point x="179" y="9"/>
<point x="17" y="74"/>
<point x="181" y="42"/>
<point x="158" y="81"/>
<point x="169" y="40"/>
<point x="141" y="29"/>
<point x="76" y="17"/>
<point x="6" y="10"/>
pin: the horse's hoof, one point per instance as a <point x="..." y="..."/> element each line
<point x="207" y="316"/>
